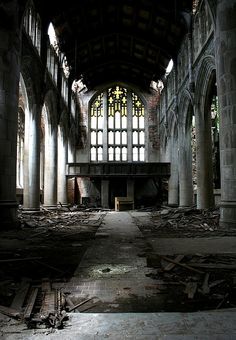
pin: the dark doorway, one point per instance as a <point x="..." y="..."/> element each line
<point x="118" y="187"/>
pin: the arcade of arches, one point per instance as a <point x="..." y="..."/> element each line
<point x="128" y="120"/>
<point x="134" y="99"/>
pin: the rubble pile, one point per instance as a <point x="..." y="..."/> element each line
<point x="195" y="282"/>
<point x="187" y="221"/>
<point x="48" y="243"/>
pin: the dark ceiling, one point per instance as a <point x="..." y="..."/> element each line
<point x="119" y="40"/>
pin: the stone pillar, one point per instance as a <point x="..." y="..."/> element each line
<point x="130" y="187"/>
<point x="31" y="198"/>
<point x="225" y="50"/>
<point x="71" y="151"/>
<point x="204" y="165"/>
<point x="185" y="169"/>
<point x="173" y="185"/>
<point x="129" y="127"/>
<point x="105" y="127"/>
<point x="9" y="85"/>
<point x="105" y="193"/>
<point x="61" y="169"/>
<point x="50" y="170"/>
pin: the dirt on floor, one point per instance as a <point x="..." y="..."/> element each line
<point x="48" y="246"/>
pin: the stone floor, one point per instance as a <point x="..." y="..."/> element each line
<point x="114" y="271"/>
<point x="113" y="268"/>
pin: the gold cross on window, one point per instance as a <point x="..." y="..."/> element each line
<point x="117" y="92"/>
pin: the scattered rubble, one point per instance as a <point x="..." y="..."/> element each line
<point x="183" y="222"/>
<point x="35" y="257"/>
<point x="40" y="305"/>
<point x="48" y="243"/>
<point x="207" y="281"/>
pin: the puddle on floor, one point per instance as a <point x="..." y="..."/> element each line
<point x="107" y="270"/>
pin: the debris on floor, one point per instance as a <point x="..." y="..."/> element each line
<point x="39" y="259"/>
<point x="39" y="305"/>
<point x="183" y="222"/>
<point x="205" y="281"/>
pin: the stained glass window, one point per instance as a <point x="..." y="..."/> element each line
<point x="138" y="129"/>
<point x="96" y="129"/>
<point x="117" y="135"/>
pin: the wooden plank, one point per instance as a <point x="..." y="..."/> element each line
<point x="214" y="265"/>
<point x="49" y="299"/>
<point x="20" y="296"/>
<point x="79" y="304"/>
<point x="190" y="289"/>
<point x="31" y="302"/>
<point x="182" y="264"/>
<point x="69" y="303"/>
<point x="205" y="285"/>
<point x="172" y="265"/>
<point x="21" y="259"/>
<point x="49" y="266"/>
<point x="10" y="312"/>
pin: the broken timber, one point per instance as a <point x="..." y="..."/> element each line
<point x="181" y="264"/>
<point x="172" y="265"/>
<point x="10" y="312"/>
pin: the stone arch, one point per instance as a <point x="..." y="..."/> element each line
<point x="29" y="101"/>
<point x="72" y="139"/>
<point x="206" y="72"/>
<point x="29" y="84"/>
<point x="62" y="145"/>
<point x="173" y="183"/>
<point x="185" y="149"/>
<point x="50" y="113"/>
<point x="204" y="163"/>
<point x="50" y="118"/>
<point x="63" y="124"/>
<point x="126" y="85"/>
<point x="185" y="103"/>
<point x="116" y="125"/>
<point x="23" y="119"/>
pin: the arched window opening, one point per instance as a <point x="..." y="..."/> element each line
<point x="20" y="148"/>
<point x="118" y="133"/>
<point x="215" y="140"/>
<point x="96" y="126"/>
<point x="32" y="25"/>
<point x="42" y="151"/>
<point x="194" y="148"/>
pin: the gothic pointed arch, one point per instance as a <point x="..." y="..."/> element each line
<point x="117" y="126"/>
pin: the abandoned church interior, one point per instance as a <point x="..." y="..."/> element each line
<point x="118" y="169"/>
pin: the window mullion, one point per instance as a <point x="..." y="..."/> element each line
<point x="105" y="131"/>
<point x="129" y="126"/>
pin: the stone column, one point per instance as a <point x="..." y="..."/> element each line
<point x="173" y="185"/>
<point x="129" y="127"/>
<point x="225" y="50"/>
<point x="31" y="198"/>
<point x="105" y="193"/>
<point x="185" y="169"/>
<point x="205" y="197"/>
<point x="71" y="151"/>
<point x="105" y="127"/>
<point x="130" y="187"/>
<point x="61" y="169"/>
<point x="50" y="170"/>
<point x="9" y="85"/>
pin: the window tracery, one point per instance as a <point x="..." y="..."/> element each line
<point x="117" y="135"/>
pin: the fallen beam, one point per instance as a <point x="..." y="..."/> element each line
<point x="181" y="264"/>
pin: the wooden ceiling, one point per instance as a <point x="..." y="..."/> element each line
<point x="118" y="40"/>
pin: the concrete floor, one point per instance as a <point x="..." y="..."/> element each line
<point x="114" y="270"/>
